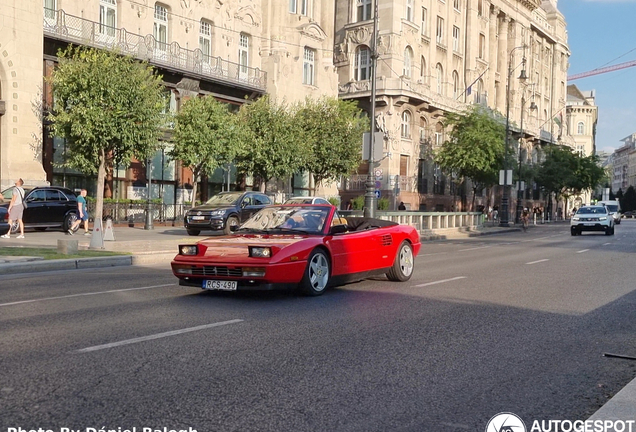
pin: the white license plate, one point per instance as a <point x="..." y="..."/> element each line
<point x="589" y="224"/>
<point x="198" y="217"/>
<point x="220" y="285"/>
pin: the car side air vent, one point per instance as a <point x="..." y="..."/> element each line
<point x="386" y="240"/>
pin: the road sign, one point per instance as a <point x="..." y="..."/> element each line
<point x="378" y="146"/>
<point x="377" y="194"/>
<point x="378" y="172"/>
<point x="378" y="185"/>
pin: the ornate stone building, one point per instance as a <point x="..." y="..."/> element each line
<point x="233" y="50"/>
<point x="439" y="56"/>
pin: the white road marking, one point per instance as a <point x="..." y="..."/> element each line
<point x="543" y="238"/>
<point x="581" y="251"/>
<point x="157" y="336"/>
<point x="475" y="248"/>
<point x="441" y="281"/>
<point x="85" y="294"/>
<point x="605" y="244"/>
<point x="431" y="254"/>
<point x="538" y="261"/>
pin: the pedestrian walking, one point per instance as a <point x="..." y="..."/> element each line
<point x="83" y="214"/>
<point x="401" y="206"/>
<point x="16" y="209"/>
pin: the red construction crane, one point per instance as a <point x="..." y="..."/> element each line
<point x="602" y="70"/>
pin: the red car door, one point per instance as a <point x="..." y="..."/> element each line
<point x="361" y="251"/>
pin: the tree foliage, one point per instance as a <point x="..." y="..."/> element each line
<point x="274" y="142"/>
<point x="206" y="136"/>
<point x="566" y="173"/>
<point x="108" y="107"/>
<point x="475" y="146"/>
<point x="332" y="129"/>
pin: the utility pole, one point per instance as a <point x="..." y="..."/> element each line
<point x="369" y="197"/>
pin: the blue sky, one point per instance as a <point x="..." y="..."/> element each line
<point x="599" y="32"/>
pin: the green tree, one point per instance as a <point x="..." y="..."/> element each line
<point x="206" y="136"/>
<point x="475" y="147"/>
<point x="274" y="141"/>
<point x="108" y="107"/>
<point x="333" y="130"/>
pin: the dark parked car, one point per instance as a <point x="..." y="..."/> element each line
<point x="224" y="211"/>
<point x="4" y="220"/>
<point x="47" y="207"/>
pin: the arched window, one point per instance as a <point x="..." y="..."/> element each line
<point x="408" y="62"/>
<point x="406" y="124"/>
<point x="362" y="65"/>
<point x="423" y="130"/>
<point x="423" y="71"/>
<point x="439" y="134"/>
<point x="455" y="85"/>
<point x="439" y="77"/>
<point x="580" y="129"/>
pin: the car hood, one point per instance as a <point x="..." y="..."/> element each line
<point x="238" y="245"/>
<point x="208" y="207"/>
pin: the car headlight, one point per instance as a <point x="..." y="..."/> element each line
<point x="217" y="212"/>
<point x="602" y="218"/>
<point x="188" y="250"/>
<point x="253" y="271"/>
<point x="260" y="252"/>
<point x="575" y="218"/>
<point x="182" y="269"/>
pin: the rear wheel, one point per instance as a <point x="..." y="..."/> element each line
<point x="231" y="224"/>
<point x="403" y="265"/>
<point x="193" y="232"/>
<point x="15" y="227"/>
<point x="316" y="277"/>
<point x="69" y="220"/>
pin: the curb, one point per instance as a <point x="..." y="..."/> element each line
<point x="83" y="263"/>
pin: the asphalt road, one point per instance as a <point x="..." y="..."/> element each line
<point x="514" y="322"/>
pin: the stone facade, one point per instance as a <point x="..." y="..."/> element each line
<point x="441" y="56"/>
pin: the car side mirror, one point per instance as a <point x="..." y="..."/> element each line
<point x="338" y="229"/>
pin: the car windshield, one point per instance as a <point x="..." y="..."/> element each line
<point x="592" y="210"/>
<point x="225" y="198"/>
<point x="301" y="219"/>
<point x="612" y="207"/>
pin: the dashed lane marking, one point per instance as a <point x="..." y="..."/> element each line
<point x="538" y="261"/>
<point x="84" y="294"/>
<point x="441" y="281"/>
<point x="475" y="248"/>
<point x="157" y="336"/>
<point x="581" y="251"/>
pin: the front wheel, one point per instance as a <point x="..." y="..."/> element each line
<point x="231" y="224"/>
<point x="193" y="232"/>
<point x="316" y="277"/>
<point x="403" y="265"/>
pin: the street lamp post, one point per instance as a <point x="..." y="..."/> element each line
<point x="369" y="197"/>
<point x="505" y="211"/>
<point x="532" y="106"/>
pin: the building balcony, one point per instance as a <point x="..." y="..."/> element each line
<point x="72" y="29"/>
<point x="358" y="182"/>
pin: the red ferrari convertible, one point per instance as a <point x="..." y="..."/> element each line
<point x="309" y="247"/>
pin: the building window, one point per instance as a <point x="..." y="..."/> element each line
<point x="404" y="165"/>
<point x="205" y="40"/>
<point x="423" y="71"/>
<point x="455" y="85"/>
<point x="439" y="77"/>
<point x="455" y="38"/>
<point x="406" y="125"/>
<point x="309" y="66"/>
<point x="160" y="30"/>
<point x="305" y="7"/>
<point x="107" y="17"/>
<point x="480" y="7"/>
<point x="292" y="6"/>
<point x="409" y="10"/>
<point x="50" y="6"/>
<point x="580" y="129"/>
<point x="362" y="70"/>
<point x="482" y="46"/>
<point x="408" y="62"/>
<point x="364" y="10"/>
<point x="439" y="33"/>
<point x="457" y="5"/>
<point x="244" y="55"/>
<point x="424" y="18"/>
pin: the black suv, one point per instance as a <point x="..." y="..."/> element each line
<point x="225" y="211"/>
<point x="47" y="207"/>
